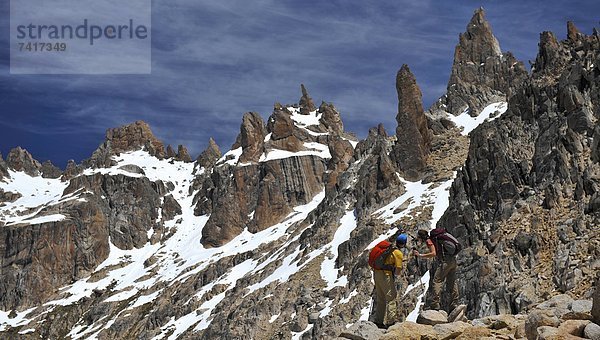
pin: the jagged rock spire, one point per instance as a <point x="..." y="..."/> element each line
<point x="251" y="137"/>
<point x="306" y="103"/>
<point x="183" y="154"/>
<point x="481" y="74"/>
<point x="170" y="152"/>
<point x="573" y="33"/>
<point x="413" y="137"/>
<point x="548" y="51"/>
<point x="210" y="155"/>
<point x="478" y="42"/>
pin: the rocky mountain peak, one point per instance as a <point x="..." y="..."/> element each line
<point x="134" y="136"/>
<point x="210" y="155"/>
<point x="306" y="103"/>
<point x="413" y="137"/>
<point x="131" y="137"/>
<point x="19" y="159"/>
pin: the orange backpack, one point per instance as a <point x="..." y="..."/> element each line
<point x="378" y="255"/>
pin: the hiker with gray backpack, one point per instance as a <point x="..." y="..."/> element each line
<point x="443" y="246"/>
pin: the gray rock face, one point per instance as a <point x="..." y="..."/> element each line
<point x="377" y="179"/>
<point x="534" y="158"/>
<point x="413" y="136"/>
<point x="21" y="160"/>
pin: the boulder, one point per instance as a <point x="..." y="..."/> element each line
<point x="537" y="319"/>
<point x="450" y="330"/>
<point x="592" y="331"/>
<point x="280" y="125"/>
<point x="475" y="332"/>
<point x="573" y="34"/>
<point x="579" y="310"/>
<point x="458" y="314"/>
<point x="573" y="327"/>
<point x="3" y="168"/>
<point x="134" y="169"/>
<point x="408" y="330"/>
<point x="545" y="333"/>
<point x="432" y="317"/>
<point x="362" y="330"/>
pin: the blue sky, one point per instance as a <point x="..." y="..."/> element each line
<point x="214" y="60"/>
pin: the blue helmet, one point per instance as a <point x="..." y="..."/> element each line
<point x="401" y="239"/>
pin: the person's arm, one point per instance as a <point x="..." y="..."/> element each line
<point x="427" y="255"/>
<point x="398" y="257"/>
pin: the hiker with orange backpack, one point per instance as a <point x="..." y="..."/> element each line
<point x="443" y="246"/>
<point x="386" y="261"/>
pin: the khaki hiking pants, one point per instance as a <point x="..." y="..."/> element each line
<point x="385" y="298"/>
<point x="446" y="271"/>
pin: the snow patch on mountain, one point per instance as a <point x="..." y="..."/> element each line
<point x="468" y="123"/>
<point x="36" y="193"/>
<point x="328" y="271"/>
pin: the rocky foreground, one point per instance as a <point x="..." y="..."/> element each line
<point x="560" y="318"/>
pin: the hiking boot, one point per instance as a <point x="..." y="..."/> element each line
<point x="380" y="325"/>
